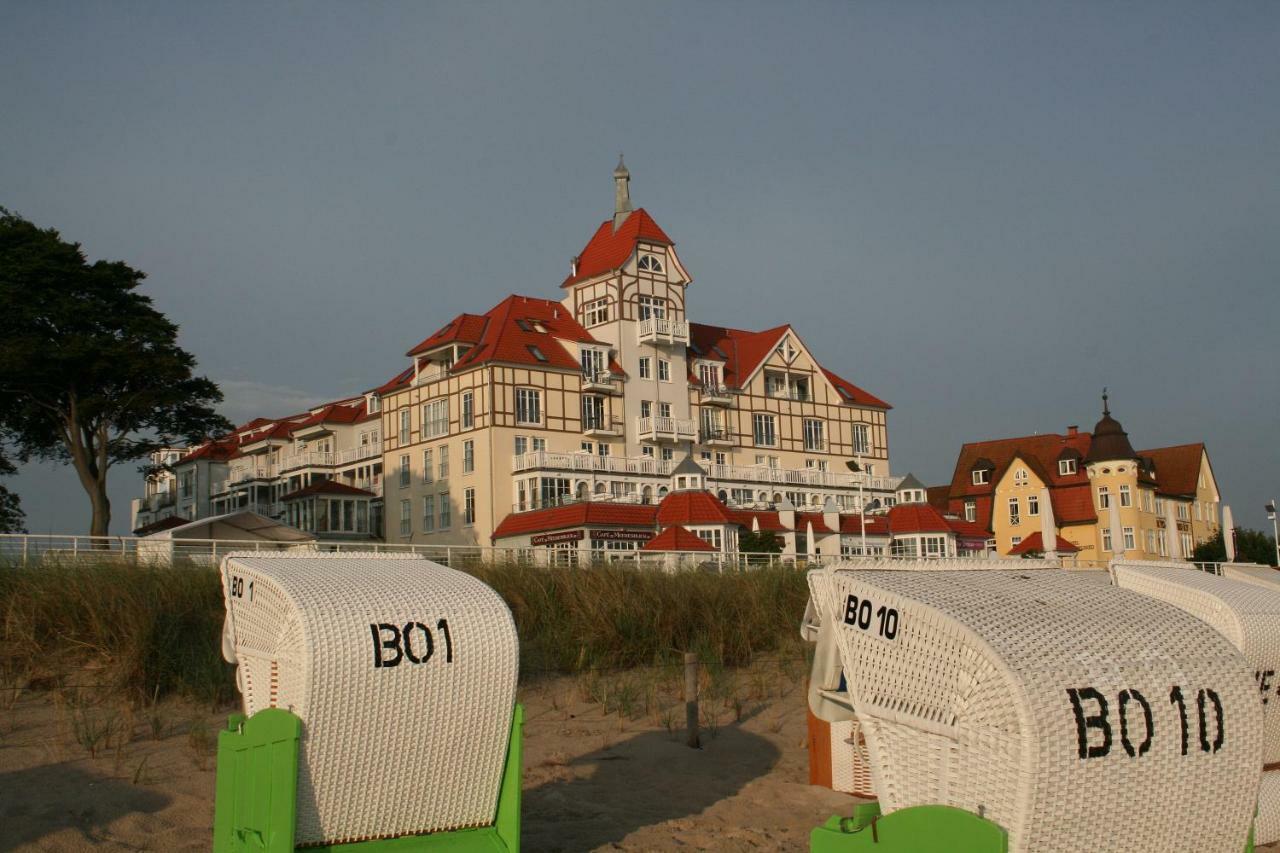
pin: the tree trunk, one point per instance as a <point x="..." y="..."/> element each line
<point x="101" y="521"/>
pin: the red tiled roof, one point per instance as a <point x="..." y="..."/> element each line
<point x="967" y="529"/>
<point x="608" y="250"/>
<point x="1177" y="468"/>
<point x="676" y="538"/>
<point x="167" y="523"/>
<point x="465" y="328"/>
<point x="1035" y="542"/>
<point x="505" y="340"/>
<point x="916" y="518"/>
<point x="692" y="507"/>
<point x="768" y="519"/>
<point x="328" y="487"/>
<point x="937" y="496"/>
<point x="594" y="513"/>
<point x="803" y="520"/>
<point x="853" y="394"/>
<point x="1073" y="505"/>
<point x="740" y="351"/>
<point x="877" y="525"/>
<point x="400" y="380"/>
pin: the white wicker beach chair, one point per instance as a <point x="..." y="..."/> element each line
<point x="403" y="673"/>
<point x="1246" y="612"/>
<point x="1068" y="713"/>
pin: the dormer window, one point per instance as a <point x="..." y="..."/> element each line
<point x="650" y="263"/>
<point x="787" y="350"/>
<point x="537" y="353"/>
<point x="373" y="403"/>
<point x="981" y="476"/>
<point x="1066" y="467"/>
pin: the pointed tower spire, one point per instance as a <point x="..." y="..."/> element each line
<point x="1105" y="411"/>
<point x="621" y="194"/>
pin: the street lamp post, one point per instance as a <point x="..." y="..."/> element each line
<point x="856" y="467"/>
<point x="1275" y="529"/>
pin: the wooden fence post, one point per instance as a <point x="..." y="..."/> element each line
<point x="691" y="698"/>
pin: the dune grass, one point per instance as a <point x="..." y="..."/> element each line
<point x="150" y="632"/>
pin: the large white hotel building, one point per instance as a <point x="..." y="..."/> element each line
<point x="589" y="401"/>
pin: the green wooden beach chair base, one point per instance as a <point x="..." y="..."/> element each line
<point x="920" y="829"/>
<point x="255" y="801"/>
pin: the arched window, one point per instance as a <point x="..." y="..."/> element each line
<point x="650" y="263"/>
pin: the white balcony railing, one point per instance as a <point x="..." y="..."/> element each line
<point x="599" y="380"/>
<point x="716" y="395"/>
<point x="590" y="463"/>
<point x="306" y="460"/>
<point x="359" y="454"/>
<point x="665" y="429"/>
<point x="662" y="330"/>
<point x="649" y="466"/>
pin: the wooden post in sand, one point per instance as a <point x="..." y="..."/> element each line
<point x="691" y="698"/>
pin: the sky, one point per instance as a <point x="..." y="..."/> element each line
<point x="983" y="213"/>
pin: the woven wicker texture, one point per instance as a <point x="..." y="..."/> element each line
<point x="984" y="691"/>
<point x="1252" y="573"/>
<point x="850" y="764"/>
<point x="1266" y="829"/>
<point x="965" y="564"/>
<point x="1246" y="614"/>
<point x="401" y="735"/>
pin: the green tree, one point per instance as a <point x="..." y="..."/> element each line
<point x="90" y="372"/>
<point x="1252" y="546"/>
<point x="759" y="542"/>
<point x="11" y="514"/>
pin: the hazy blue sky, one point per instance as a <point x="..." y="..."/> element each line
<point x="981" y="212"/>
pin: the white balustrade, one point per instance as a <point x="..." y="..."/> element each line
<point x="660" y="329"/>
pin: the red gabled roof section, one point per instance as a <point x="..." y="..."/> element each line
<point x="395" y="383"/>
<point x="1035" y="543"/>
<point x="512" y="328"/>
<point x="768" y="519"/>
<point x="916" y="518"/>
<point x="1177" y="468"/>
<point x="1040" y="453"/>
<point x="740" y="351"/>
<point x="595" y="513"/>
<point x="854" y="395"/>
<point x="676" y="538"/>
<point x="804" y="519"/>
<point x="328" y="487"/>
<point x="167" y="523"/>
<point x="877" y="525"/>
<point x="743" y="352"/>
<point x="692" y="507"/>
<point x="465" y="328"/>
<point x="608" y="250"/>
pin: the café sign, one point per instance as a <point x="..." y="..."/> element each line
<point x="553" y="538"/>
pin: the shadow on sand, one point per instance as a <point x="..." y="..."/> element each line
<point x="28" y="814"/>
<point x="619" y="797"/>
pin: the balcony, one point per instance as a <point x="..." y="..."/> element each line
<point x="665" y="429"/>
<point x="715" y="438"/>
<point x="306" y="460"/>
<point x="660" y="330"/>
<point x="715" y="395"/>
<point x="602" y="428"/>
<point x="590" y="463"/>
<point x="600" y="381"/>
<point x="372" y="450"/>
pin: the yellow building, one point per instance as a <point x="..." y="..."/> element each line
<point x="1102" y="498"/>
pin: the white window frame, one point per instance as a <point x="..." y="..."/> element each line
<point x="971" y="511"/>
<point x="815" y="435"/>
<point x="1104" y="499"/>
<point x="861" y="438"/>
<point x="435" y="418"/>
<point x="427" y="465"/>
<point x="764" y="429"/>
<point x="1033" y="504"/>
<point x="446" y="512"/>
<point x="468" y="507"/>
<point x="664" y="370"/>
<point x="654" y="307"/>
<point x="468" y="456"/>
<point x="444" y="462"/>
<point x="1126" y="496"/>
<point x="528" y="406"/>
<point x="428" y="513"/>
<point x="468" y="406"/>
<point x="1130" y="541"/>
<point x="646" y="368"/>
<point x="404" y="426"/>
<point x="406" y="517"/>
<point x="1066" y="467"/>
<point x="596" y="312"/>
<point x="981" y="476"/>
<point x="404" y="470"/>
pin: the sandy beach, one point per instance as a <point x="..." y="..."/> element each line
<point x="596" y="777"/>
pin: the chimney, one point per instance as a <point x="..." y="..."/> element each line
<point x="573" y="266"/>
<point x="621" y="194"/>
<point x="1074" y="429"/>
